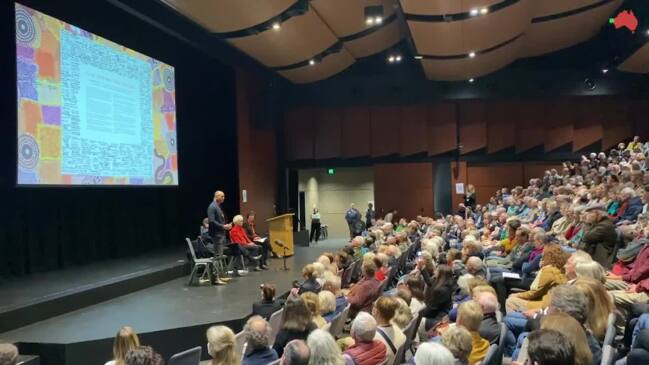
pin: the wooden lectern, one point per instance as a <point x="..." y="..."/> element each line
<point x="281" y="228"/>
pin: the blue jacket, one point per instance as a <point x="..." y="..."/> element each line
<point x="260" y="357"/>
<point x="632" y="211"/>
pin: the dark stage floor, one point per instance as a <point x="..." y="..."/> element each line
<point x="166" y="306"/>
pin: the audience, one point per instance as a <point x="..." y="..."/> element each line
<point x="362" y="295"/>
<point x="297" y="323"/>
<point x="550" y="347"/>
<point x="310" y="283"/>
<point x="221" y="346"/>
<point x="459" y="341"/>
<point x="9" y="354"/>
<point x="327" y="305"/>
<point x="268" y="304"/>
<point x="573" y="331"/>
<point x="323" y="348"/>
<point x="366" y="350"/>
<point x="296" y="352"/>
<point x="125" y="340"/>
<point x="470" y="317"/>
<point x="387" y="332"/>
<point x="145" y="355"/>
<point x="312" y="301"/>
<point x="433" y="354"/>
<point x="257" y="335"/>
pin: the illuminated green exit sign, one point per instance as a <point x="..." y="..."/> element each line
<point x="331" y="171"/>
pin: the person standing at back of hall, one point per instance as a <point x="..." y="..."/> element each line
<point x="315" y="225"/>
<point x="352" y="216"/>
<point x="370" y="215"/>
<point x="217" y="225"/>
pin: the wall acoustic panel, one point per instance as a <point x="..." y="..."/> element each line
<point x="328" y="138"/>
<point x="300" y="131"/>
<point x="413" y="130"/>
<point x="384" y="130"/>
<point x="588" y="124"/>
<point x="473" y="126"/>
<point x="355" y="132"/>
<point x="501" y="125"/>
<point x="441" y="128"/>
<point x="529" y="131"/>
<point x="617" y="123"/>
<point x="407" y="187"/>
<point x="560" y="118"/>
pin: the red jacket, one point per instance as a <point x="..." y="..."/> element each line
<point x="362" y="295"/>
<point x="367" y="353"/>
<point x="238" y="235"/>
<point x="637" y="272"/>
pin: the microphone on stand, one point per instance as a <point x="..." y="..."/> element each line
<point x="281" y="244"/>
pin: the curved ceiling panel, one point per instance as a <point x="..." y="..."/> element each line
<point x="221" y="16"/>
<point x="466" y="68"/>
<point x="346" y="17"/>
<point x="554" y="34"/>
<point x="329" y="66"/>
<point x="473" y="34"/>
<point x="375" y="42"/>
<point x="553" y="7"/>
<point x="299" y="39"/>
<point x="637" y="62"/>
<point x="441" y="7"/>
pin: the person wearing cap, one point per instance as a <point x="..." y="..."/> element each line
<point x="599" y="235"/>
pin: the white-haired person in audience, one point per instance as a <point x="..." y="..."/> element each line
<point x="8" y="354"/>
<point x="323" y="348"/>
<point x="387" y="332"/>
<point x="403" y="315"/>
<point x="312" y="301"/>
<point x="470" y="317"/>
<point x="489" y="327"/>
<point x="319" y="270"/>
<point x="575" y="258"/>
<point x="458" y="340"/>
<point x="296" y="352"/>
<point x="221" y="346"/>
<point x="257" y="334"/>
<point x="333" y="285"/>
<point x="327" y="305"/>
<point x="432" y="353"/>
<point x="366" y="350"/>
<point x="125" y="340"/>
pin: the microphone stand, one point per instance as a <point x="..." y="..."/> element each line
<point x="281" y="244"/>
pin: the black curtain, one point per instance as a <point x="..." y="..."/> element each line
<point x="48" y="228"/>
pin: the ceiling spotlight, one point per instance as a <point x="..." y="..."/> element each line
<point x="471" y="80"/>
<point x="398" y="58"/>
<point x="276" y="26"/>
<point x="647" y="31"/>
<point x="484" y="11"/>
<point x="604" y="70"/>
<point x="418" y="57"/>
<point x="391" y="59"/>
<point x="311" y="62"/>
<point x="472" y="55"/>
<point x="474" y="12"/>
<point x="374" y="15"/>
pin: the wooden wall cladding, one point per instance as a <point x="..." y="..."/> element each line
<point x="492" y="126"/>
<point x="407" y="187"/>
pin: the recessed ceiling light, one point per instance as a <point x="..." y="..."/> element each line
<point x="471" y="80"/>
<point x="647" y="31"/>
<point x="484" y="11"/>
<point x="418" y="57"/>
<point x="276" y="26"/>
<point x="471" y="54"/>
<point x="378" y="20"/>
<point x="474" y="12"/>
<point x="311" y="62"/>
<point x="604" y="70"/>
<point x="391" y="59"/>
<point x="398" y="58"/>
<point x="369" y="21"/>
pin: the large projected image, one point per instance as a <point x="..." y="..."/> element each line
<point x="90" y="111"/>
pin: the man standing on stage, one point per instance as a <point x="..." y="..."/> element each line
<point x="217" y="225"/>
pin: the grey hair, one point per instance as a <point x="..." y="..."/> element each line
<point x="539" y="235"/>
<point x="459" y="341"/>
<point x="363" y="327"/>
<point x="474" y="263"/>
<point x="334" y="282"/>
<point x="324" y="350"/>
<point x="565" y="299"/>
<point x="592" y="270"/>
<point x="8" y="354"/>
<point x="256" y="338"/>
<point x="433" y="353"/>
<point x="327" y="302"/>
<point x="296" y="352"/>
<point x="463" y="282"/>
<point x="628" y="191"/>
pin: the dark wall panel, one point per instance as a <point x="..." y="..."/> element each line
<point x="328" y="138"/>
<point x="617" y="124"/>
<point x="501" y="125"/>
<point x="355" y="126"/>
<point x="407" y="187"/>
<point x="384" y="130"/>
<point x="473" y="126"/>
<point x="413" y="130"/>
<point x="588" y="124"/>
<point x="442" y="128"/>
<point x="300" y="131"/>
<point x="529" y="130"/>
<point x="559" y="120"/>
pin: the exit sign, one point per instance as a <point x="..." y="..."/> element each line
<point x="331" y="171"/>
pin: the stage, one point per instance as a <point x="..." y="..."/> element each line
<point x="148" y="293"/>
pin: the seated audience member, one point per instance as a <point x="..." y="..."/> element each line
<point x="549" y="347"/>
<point x="639" y="354"/>
<point x="144" y="355"/>
<point x="391" y="335"/>
<point x="310" y="283"/>
<point x="458" y="340"/>
<point x="312" y="301"/>
<point x="332" y="284"/>
<point x="630" y="208"/>
<point x="251" y="233"/>
<point x="416" y="288"/>
<point x="591" y="270"/>
<point x="550" y="275"/>
<point x="327" y="305"/>
<point x="475" y="267"/>
<point x="438" y="295"/>
<point x="381" y="262"/>
<point x="249" y="249"/>
<point x="599" y="236"/>
<point x="576" y="258"/>
<point x="257" y="335"/>
<point x="125" y="340"/>
<point x="600" y="305"/>
<point x="323" y="348"/>
<point x="221" y="346"/>
<point x="519" y="247"/>
<point x="297" y="323"/>
<point x="366" y="350"/>
<point x="9" y="354"/>
<point x="573" y="331"/>
<point x="431" y="353"/>
<point x="403" y="315"/>
<point x="268" y="304"/>
<point x="296" y="352"/>
<point x="364" y="293"/>
<point x="470" y="317"/>
<point x="489" y="327"/>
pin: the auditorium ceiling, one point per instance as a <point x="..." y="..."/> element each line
<point x="306" y="41"/>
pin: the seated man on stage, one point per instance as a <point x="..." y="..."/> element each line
<point x="248" y="248"/>
<point x="262" y="242"/>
